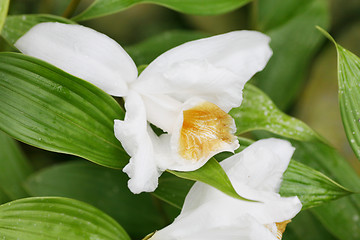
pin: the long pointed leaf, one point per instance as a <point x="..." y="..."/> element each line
<point x="56" y="218"/>
<point x="349" y="93"/>
<point x="312" y="187"/>
<point x="258" y="112"/>
<point x="213" y="174"/>
<point x="50" y="109"/>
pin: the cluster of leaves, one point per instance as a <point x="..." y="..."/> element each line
<point x="45" y="107"/>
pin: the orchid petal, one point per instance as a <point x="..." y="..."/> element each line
<point x="83" y="52"/>
<point x="262" y="164"/>
<point x="162" y="111"/>
<point x="210" y="214"/>
<point x="214" y="68"/>
<point x="200" y="225"/>
<point x="263" y="156"/>
<point x="133" y="133"/>
<point x="201" y="131"/>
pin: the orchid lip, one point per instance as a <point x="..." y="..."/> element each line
<point x="205" y="129"/>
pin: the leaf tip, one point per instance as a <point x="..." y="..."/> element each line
<point x="326" y="34"/>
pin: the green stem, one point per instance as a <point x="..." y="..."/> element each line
<point x="69" y="11"/>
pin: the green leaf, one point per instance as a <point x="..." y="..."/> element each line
<point x="340" y="217"/>
<point x="50" y="109"/>
<point x="349" y="93"/>
<point x="199" y="7"/>
<point x="258" y="112"/>
<point x="103" y="188"/>
<point x="4" y="7"/>
<point x="212" y="174"/>
<point x="312" y="187"/>
<point x="294" y="41"/>
<point x="14" y="168"/>
<point x="146" y="51"/>
<point x="17" y="25"/>
<point x="306" y="226"/>
<point x="56" y="218"/>
<point x="172" y="189"/>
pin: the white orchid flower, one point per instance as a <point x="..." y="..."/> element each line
<point x="256" y="173"/>
<point x="186" y="92"/>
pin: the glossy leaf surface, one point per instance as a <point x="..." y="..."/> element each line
<point x="53" y="218"/>
<point x="50" y="109"/>
<point x="349" y="95"/>
<point x="258" y="112"/>
<point x="213" y="174"/>
<point x="312" y="187"/>
<point x="103" y="188"/>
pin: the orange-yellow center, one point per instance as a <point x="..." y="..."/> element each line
<point x="206" y="128"/>
<point x="281" y="226"/>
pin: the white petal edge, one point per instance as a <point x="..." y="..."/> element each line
<point x="261" y="165"/>
<point x="205" y="224"/>
<point x="82" y="52"/>
<point x="198" y="68"/>
<point x="272" y="208"/>
<point x="133" y="133"/>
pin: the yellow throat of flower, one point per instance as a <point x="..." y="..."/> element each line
<point x="206" y="129"/>
<point x="280" y="228"/>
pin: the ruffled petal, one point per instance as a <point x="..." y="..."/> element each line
<point x="214" y="68"/>
<point x="82" y="52"/>
<point x="134" y="135"/>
